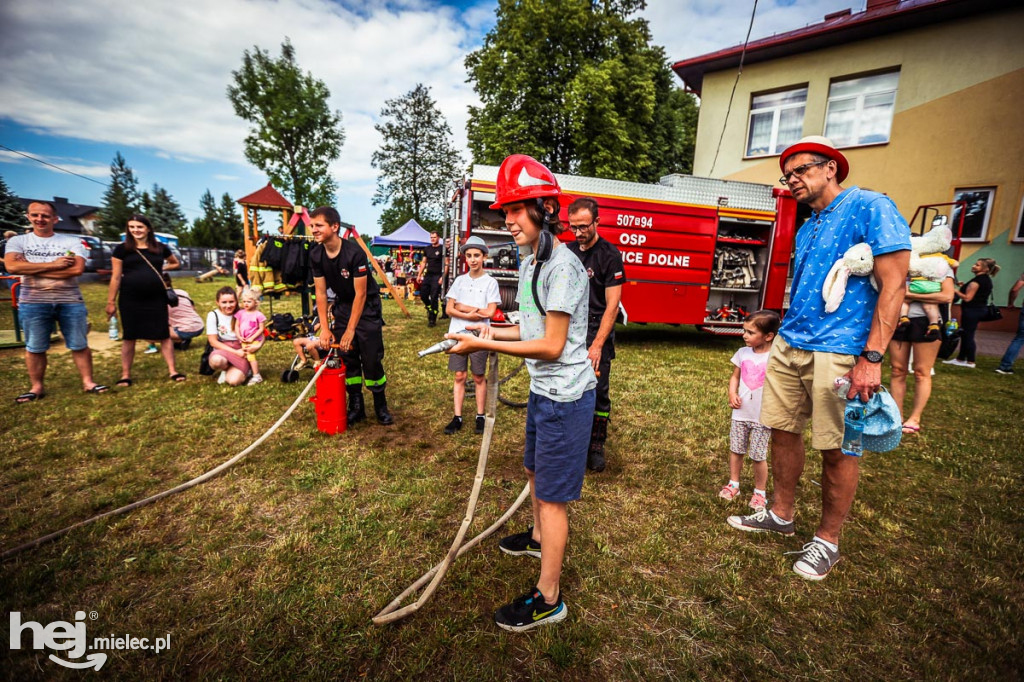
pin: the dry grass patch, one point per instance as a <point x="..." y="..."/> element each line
<point x="274" y="569"/>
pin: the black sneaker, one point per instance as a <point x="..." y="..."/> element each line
<point x="530" y="611"/>
<point x="760" y="522"/>
<point x="1000" y="370"/>
<point x="454" y="425"/>
<point x="480" y="423"/>
<point x="520" y="544"/>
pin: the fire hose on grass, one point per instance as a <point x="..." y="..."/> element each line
<point x="435" y="575"/>
<point x="179" y="488"/>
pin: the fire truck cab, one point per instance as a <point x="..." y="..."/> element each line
<point x="696" y="251"/>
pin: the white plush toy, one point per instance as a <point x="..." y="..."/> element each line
<point x="927" y="254"/>
<point x="857" y="261"/>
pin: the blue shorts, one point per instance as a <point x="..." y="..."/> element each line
<point x="557" y="440"/>
<point x="38" y="319"/>
<point x="185" y="336"/>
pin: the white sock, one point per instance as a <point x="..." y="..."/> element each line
<point x="834" y="548"/>
<point x="759" y="492"/>
<point x="734" y="484"/>
<point x="777" y="518"/>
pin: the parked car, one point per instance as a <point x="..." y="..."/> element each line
<point x="99" y="253"/>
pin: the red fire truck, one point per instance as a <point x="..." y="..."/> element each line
<point x="696" y="250"/>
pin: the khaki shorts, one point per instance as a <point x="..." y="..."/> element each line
<point x="799" y="386"/>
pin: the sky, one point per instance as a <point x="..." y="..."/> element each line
<point x="83" y="80"/>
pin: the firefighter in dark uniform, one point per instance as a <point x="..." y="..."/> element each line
<point x="603" y="264"/>
<point x="433" y="269"/>
<point x="340" y="265"/>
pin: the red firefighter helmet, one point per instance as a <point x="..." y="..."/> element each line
<point x="523" y="177"/>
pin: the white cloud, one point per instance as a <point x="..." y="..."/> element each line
<point x="154" y="74"/>
<point x="67" y="164"/>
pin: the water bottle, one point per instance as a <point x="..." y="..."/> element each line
<point x="112" y="330"/>
<point x="853" y="429"/>
<point x="952" y="326"/>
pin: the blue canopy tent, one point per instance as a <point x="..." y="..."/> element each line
<point x="410" y="234"/>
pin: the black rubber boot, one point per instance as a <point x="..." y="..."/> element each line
<point x="598" y="435"/>
<point x="356" y="408"/>
<point x="380" y="406"/>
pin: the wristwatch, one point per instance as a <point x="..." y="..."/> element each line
<point x="872" y="356"/>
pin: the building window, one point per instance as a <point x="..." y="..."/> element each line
<point x="776" y="121"/>
<point x="977" y="209"/>
<point x="860" y="109"/>
<point x="1019" y="235"/>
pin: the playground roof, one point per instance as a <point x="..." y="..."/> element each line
<point x="267" y="197"/>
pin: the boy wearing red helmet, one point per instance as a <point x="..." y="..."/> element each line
<point x="552" y="335"/>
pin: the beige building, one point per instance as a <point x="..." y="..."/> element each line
<point x="925" y="98"/>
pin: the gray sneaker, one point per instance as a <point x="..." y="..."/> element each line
<point x="760" y="522"/>
<point x="815" y="561"/>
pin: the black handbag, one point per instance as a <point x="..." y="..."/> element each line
<point x="204" y="361"/>
<point x="172" y="297"/>
<point x="992" y="312"/>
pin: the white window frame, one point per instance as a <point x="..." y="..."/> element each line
<point x="859" y="107"/>
<point x="983" y="236"/>
<point x="776" y="111"/>
<point x="1018" y="236"/>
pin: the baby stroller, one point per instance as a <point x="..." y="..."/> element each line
<point x="284" y="327"/>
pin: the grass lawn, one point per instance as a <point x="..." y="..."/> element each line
<point x="273" y="570"/>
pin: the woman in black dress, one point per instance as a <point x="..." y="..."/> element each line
<point x="973" y="306"/>
<point x="143" y="300"/>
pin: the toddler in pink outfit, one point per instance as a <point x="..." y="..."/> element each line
<point x="249" y="326"/>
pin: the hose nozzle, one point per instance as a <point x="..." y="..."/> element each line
<point x="445" y="344"/>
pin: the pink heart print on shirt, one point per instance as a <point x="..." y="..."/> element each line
<point x="752" y="374"/>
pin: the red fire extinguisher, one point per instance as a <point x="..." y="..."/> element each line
<point x="331" y="416"/>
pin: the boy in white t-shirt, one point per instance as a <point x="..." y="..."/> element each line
<point x="747" y="434"/>
<point x="472" y="299"/>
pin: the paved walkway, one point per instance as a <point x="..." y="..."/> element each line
<point x="992" y="344"/>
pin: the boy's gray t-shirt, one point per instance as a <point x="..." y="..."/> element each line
<point x="563" y="287"/>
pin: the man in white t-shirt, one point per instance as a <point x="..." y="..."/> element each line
<point x="472" y="299"/>
<point x="49" y="265"/>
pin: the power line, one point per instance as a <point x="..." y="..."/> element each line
<point x="725" y="121"/>
<point x="79" y="175"/>
<point x="52" y="165"/>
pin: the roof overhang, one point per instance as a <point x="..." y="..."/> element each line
<point x="837" y="29"/>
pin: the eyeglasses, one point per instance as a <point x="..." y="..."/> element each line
<point x="799" y="171"/>
<point x="580" y="228"/>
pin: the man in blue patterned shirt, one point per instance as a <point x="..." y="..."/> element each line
<point x="815" y="347"/>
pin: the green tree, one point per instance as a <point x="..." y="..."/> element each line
<point x="398" y="214"/>
<point x="417" y="160"/>
<point x="576" y="84"/>
<point x="120" y="200"/>
<point x="219" y="227"/>
<point x="205" y="228"/>
<point x="163" y="211"/>
<point x="294" y="136"/>
<point x="674" y="134"/>
<point x="12" y="213"/>
<point x="230" y="222"/>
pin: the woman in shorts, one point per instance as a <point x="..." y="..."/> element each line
<point x="910" y="339"/>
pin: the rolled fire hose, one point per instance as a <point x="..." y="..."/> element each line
<point x="435" y="575"/>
